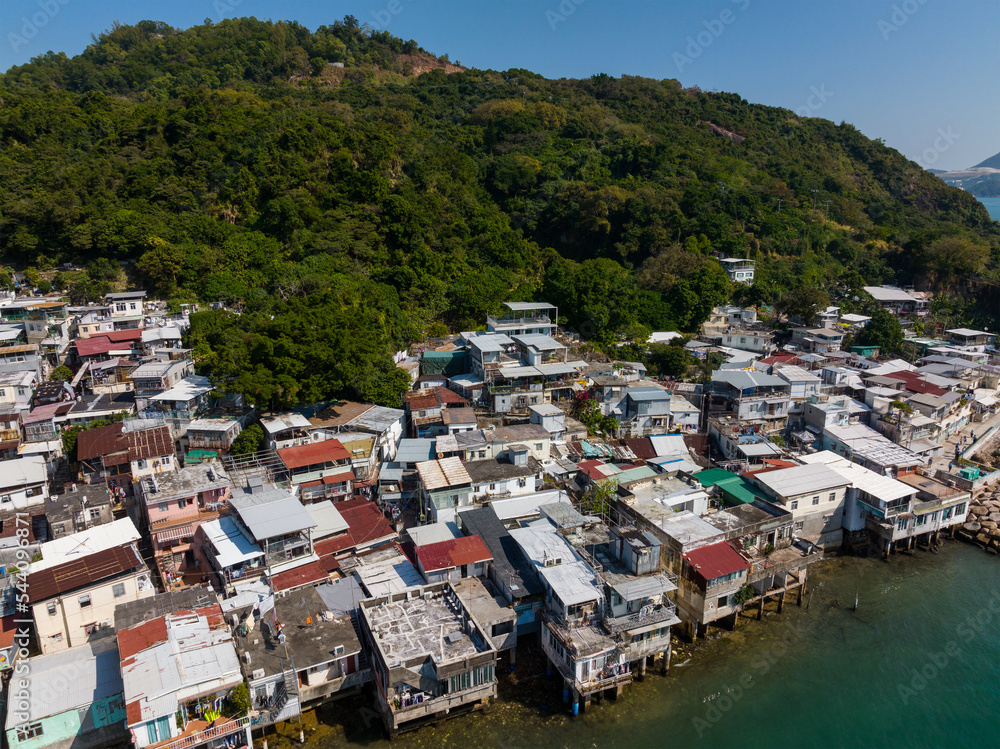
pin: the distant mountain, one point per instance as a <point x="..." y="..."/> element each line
<point x="936" y="171"/>
<point x="993" y="162"/>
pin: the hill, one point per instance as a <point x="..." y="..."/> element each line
<point x="348" y="192"/>
<point x="993" y="162"/>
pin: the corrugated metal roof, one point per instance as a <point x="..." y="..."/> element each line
<point x="316" y="453"/>
<point x="70" y="679"/>
<point x="453" y="552"/>
<point x="539" y="341"/>
<point x="805" y="479"/>
<point x="716" y="560"/>
<point x="440" y="474"/>
<point x="77" y="573"/>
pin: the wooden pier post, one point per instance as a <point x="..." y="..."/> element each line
<point x="760" y="609"/>
<point x="781" y="601"/>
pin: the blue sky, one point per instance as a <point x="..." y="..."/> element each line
<point x="923" y="75"/>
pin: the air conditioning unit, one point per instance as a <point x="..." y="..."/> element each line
<point x="246" y="657"/>
<point x="257" y="674"/>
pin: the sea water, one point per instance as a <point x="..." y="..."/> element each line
<point x="992" y="207"/>
<point x="916" y="665"/>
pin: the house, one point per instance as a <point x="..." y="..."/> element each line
<point x="275" y="520"/>
<point x="551" y="418"/>
<point x="21" y="358"/>
<point x="510" y="572"/>
<point x="586" y="654"/>
<point x="74" y="588"/>
<point x="77" y="510"/>
<point x="751" y="396"/>
<point x="524" y="318"/>
<point x="430" y="658"/>
<point x="173" y="505"/>
<point x="24" y="483"/>
<point x="445" y="486"/>
<point x="178" y="671"/>
<point x="184" y="399"/>
<point x="894" y="300"/>
<point x="738" y="269"/>
<point x="453" y="559"/>
<point x="742" y="447"/>
<point x="216" y="434"/>
<point x="817" y="340"/>
<point x="156" y="377"/>
<point x="75" y="700"/>
<point x="10" y="434"/>
<point x="93" y="321"/>
<point x="311" y="654"/>
<point x="967" y="337"/>
<point x="804" y="385"/>
<point x="121" y="454"/>
<point x="17" y="388"/>
<point x="757" y="341"/>
<point x="125" y="344"/>
<point x="322" y="470"/>
<point x="127" y="308"/>
<point x="710" y="578"/>
<point x="814" y="494"/>
<point x="501" y="478"/>
<point x="854" y="322"/>
<point x="285" y="430"/>
<point x="386" y="424"/>
<point x="424" y="410"/>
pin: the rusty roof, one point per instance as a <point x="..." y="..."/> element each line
<point x="315" y="453"/>
<point x="113" y="441"/>
<point x="81" y="572"/>
<point x="454" y="552"/>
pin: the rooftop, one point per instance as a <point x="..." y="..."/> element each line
<point x="492" y="470"/>
<point x="454" y="552"/>
<point x="187" y="481"/>
<point x="95" y="676"/>
<point x="120" y="533"/>
<point x="272" y="512"/>
<point x="384" y="572"/>
<point x="716" y="560"/>
<point x="315" y="453"/>
<point x="509" y="562"/>
<point x="81" y="572"/>
<point x="443" y="473"/>
<point x="424" y="627"/>
<point x="804" y="479"/>
<point x="312" y="635"/>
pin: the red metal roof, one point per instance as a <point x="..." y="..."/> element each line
<point x="915" y="383"/>
<point x="716" y="560"/>
<point x="316" y="453"/>
<point x="105" y="342"/>
<point x="366" y="525"/>
<point x="641" y="447"/>
<point x="7" y="631"/>
<point x="142" y="636"/>
<point x="454" y="552"/>
<point x="307" y="574"/>
<point x="80" y="572"/>
<point x="140" y="445"/>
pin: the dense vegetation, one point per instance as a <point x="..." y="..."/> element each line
<point x="342" y="212"/>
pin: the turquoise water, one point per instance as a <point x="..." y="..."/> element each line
<point x="918" y="665"/>
<point x="992" y="206"/>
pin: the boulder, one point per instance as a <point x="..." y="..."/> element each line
<point x="978" y="510"/>
<point x="988" y="525"/>
<point x="995" y="533"/>
<point x="971" y="526"/>
<point x="983" y="538"/>
<point x="994" y="516"/>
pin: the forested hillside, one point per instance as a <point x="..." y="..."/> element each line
<point x="345" y="205"/>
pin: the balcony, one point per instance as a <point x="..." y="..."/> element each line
<point x="420" y="708"/>
<point x="663" y="614"/>
<point x="220" y="728"/>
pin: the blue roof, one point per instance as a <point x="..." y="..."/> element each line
<point x="415" y="450"/>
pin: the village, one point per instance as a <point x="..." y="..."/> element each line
<point x="163" y="590"/>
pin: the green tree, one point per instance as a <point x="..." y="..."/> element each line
<point x="61" y="372"/>
<point x="250" y="440"/>
<point x="884" y="331"/>
<point x="804" y="302"/>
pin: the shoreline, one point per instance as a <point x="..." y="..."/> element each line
<point x="528" y="697"/>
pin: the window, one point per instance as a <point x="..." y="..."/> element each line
<point x="816" y="500"/>
<point x="921" y="520"/>
<point x="798" y="526"/>
<point x="91" y="628"/>
<point x="30" y="731"/>
<point x="833" y="496"/>
<point x="84" y="600"/>
<point x="57" y="637"/>
<point x="538" y="445"/>
<point x="118" y="589"/>
<point x="51" y="608"/>
<point x="95" y="513"/>
<point x="795" y="504"/>
<point x="901" y="524"/>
